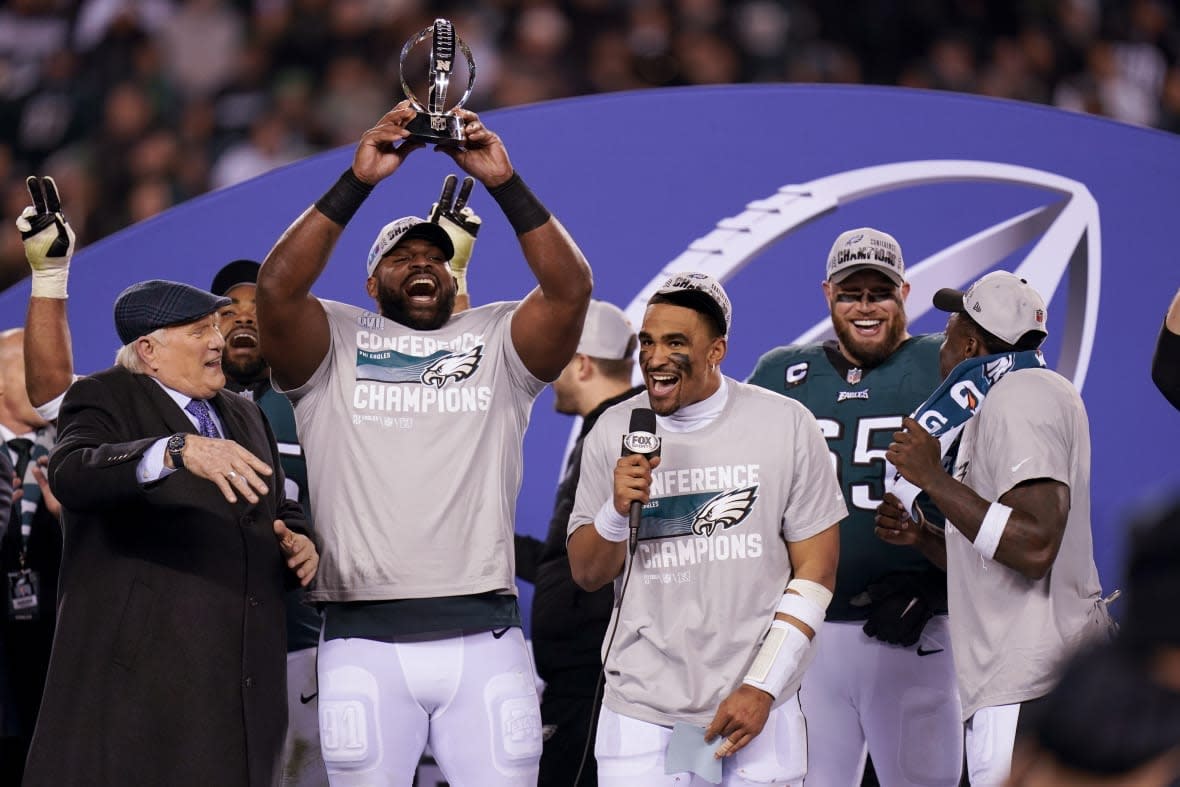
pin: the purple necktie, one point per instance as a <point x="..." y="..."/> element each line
<point x="200" y="409"/>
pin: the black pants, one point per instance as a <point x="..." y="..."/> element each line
<point x="572" y="717"/>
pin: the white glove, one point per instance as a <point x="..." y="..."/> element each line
<point x="48" y="238"/>
<point x="461" y="223"/>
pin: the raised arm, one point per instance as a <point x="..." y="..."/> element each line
<point x="548" y="323"/>
<point x="291" y="321"/>
<point x="49" y="246"/>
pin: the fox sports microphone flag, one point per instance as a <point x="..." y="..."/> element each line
<point x="640" y="439"/>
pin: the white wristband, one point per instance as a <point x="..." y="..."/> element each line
<point x="778" y="662"/>
<point x="802" y="609"/>
<point x="610" y="524"/>
<point x="991" y="529"/>
<point x="812" y="590"/>
<point x="50" y="283"/>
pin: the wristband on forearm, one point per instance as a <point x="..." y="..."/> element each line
<point x="991" y="530"/>
<point x="779" y="660"/>
<point x="612" y="525"/>
<point x="784" y="653"/>
<point x="522" y="208"/>
<point x="50" y="283"/>
<point x="341" y="202"/>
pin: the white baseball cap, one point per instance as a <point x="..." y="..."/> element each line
<point x="607" y="333"/>
<point x="1002" y="303"/>
<point x="865" y="249"/>
<point x="706" y="285"/>
<point x="405" y="228"/>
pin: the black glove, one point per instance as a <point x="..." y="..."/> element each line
<point x="901" y="603"/>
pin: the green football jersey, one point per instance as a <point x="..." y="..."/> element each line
<point x="858" y="411"/>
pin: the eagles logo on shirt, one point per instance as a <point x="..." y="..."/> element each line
<point x="436" y="370"/>
<point x="725" y="510"/>
<point x="456" y="366"/>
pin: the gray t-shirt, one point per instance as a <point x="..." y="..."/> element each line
<point x="712" y="563"/>
<point x="1010" y="633"/>
<point x="413" y="441"/>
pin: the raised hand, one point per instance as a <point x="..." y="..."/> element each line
<point x="452" y="213"/>
<point x="48" y="238"/>
<point x="483" y="155"/>
<point x="384" y="147"/>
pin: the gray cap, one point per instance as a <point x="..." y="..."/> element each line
<point x="607" y="333"/>
<point x="156" y="303"/>
<point x="865" y="248"/>
<point x="1002" y="303"/>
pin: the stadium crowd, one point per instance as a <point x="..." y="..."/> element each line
<point x="136" y="106"/>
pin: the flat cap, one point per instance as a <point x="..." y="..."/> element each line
<point x="156" y="303"/>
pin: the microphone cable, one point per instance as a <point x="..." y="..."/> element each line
<point x="598" y="688"/>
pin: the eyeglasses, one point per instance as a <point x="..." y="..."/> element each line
<point x="873" y="296"/>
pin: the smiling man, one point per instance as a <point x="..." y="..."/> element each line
<point x="168" y="659"/>
<point x="412" y="416"/>
<point x="884" y="662"/>
<point x="734" y="560"/>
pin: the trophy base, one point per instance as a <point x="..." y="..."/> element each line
<point x="446" y="130"/>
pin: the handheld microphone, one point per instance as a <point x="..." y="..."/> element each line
<point x="640" y="439"/>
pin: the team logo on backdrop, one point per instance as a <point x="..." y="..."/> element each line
<point x="436" y="370"/>
<point x="726" y="510"/>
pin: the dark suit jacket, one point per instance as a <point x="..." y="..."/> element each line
<point x="169" y="658"/>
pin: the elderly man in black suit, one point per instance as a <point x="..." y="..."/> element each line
<point x="169" y="658"/>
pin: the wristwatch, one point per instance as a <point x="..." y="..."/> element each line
<point x="176" y="450"/>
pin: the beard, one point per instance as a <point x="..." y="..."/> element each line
<point x="246" y="373"/>
<point x="393" y="306"/>
<point x="874" y="352"/>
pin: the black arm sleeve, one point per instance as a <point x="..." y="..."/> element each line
<point x="1165" y="366"/>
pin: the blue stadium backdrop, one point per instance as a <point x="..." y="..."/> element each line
<point x="752" y="183"/>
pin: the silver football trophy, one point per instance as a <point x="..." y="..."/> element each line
<point x="434" y="123"/>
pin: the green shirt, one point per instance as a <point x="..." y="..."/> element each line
<point x="858" y="411"/>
